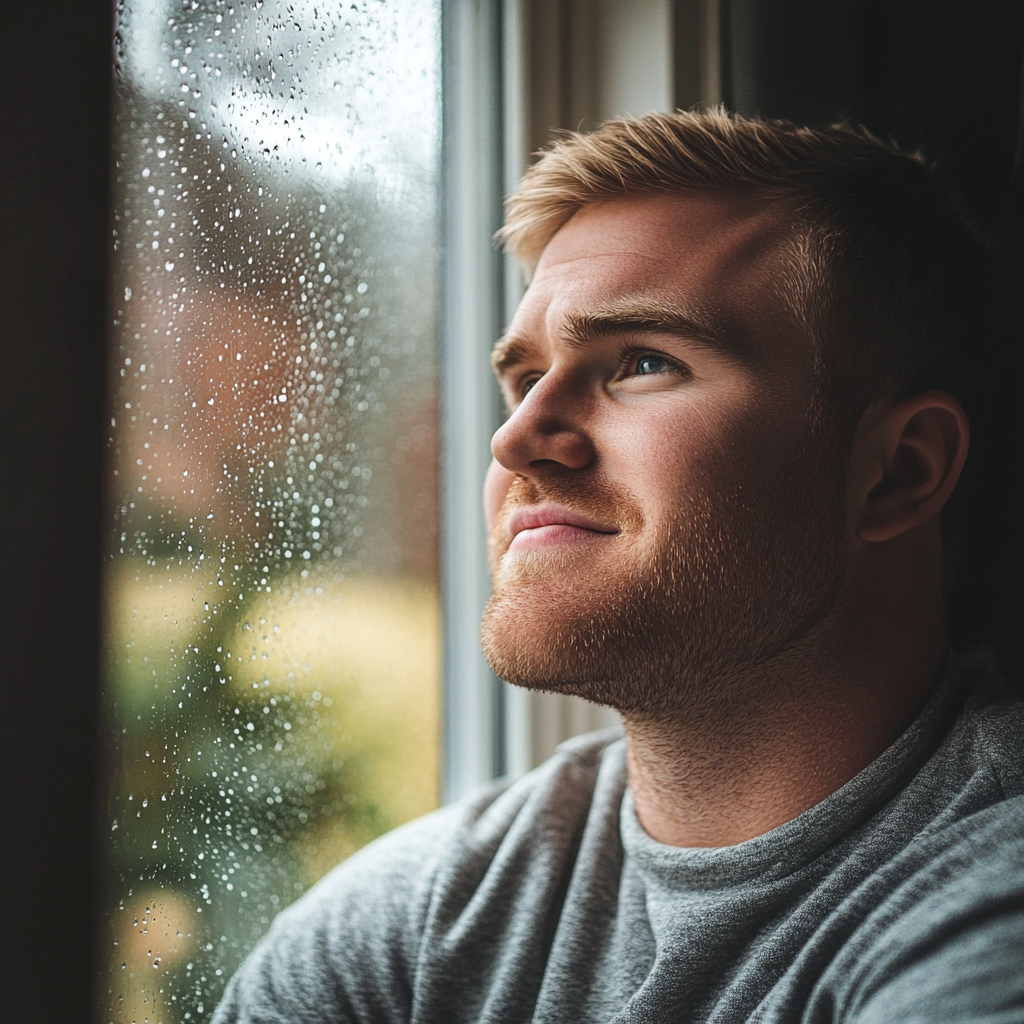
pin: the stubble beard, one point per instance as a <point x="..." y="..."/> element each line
<point x="667" y="616"/>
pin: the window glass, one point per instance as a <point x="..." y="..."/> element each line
<point x="272" y="619"/>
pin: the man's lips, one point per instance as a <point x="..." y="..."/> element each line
<point x="550" y="524"/>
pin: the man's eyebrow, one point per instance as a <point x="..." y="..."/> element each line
<point x="649" y="316"/>
<point x="510" y="350"/>
<point x="627" y="315"/>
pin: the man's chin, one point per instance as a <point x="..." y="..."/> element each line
<point x="544" y="641"/>
<point x="524" y="633"/>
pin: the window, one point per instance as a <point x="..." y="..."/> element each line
<point x="272" y="639"/>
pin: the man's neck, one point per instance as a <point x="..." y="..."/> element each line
<point x="796" y="730"/>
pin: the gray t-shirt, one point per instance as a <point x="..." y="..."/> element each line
<point x="899" y="898"/>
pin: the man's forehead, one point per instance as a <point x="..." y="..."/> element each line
<point x="707" y="225"/>
<point x="708" y="251"/>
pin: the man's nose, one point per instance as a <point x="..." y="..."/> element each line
<point x="548" y="430"/>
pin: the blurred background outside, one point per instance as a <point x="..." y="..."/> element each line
<point x="272" y="624"/>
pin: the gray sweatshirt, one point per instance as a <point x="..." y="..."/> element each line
<point x="898" y="899"/>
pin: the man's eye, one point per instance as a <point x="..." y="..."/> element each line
<point x="649" y="364"/>
<point x="527" y="386"/>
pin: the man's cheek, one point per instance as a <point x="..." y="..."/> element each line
<point x="719" y="441"/>
<point x="496" y="488"/>
<point x="663" y="456"/>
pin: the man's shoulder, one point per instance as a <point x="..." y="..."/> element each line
<point x="941" y="931"/>
<point x="992" y="721"/>
<point x="356" y="935"/>
<point x="948" y="941"/>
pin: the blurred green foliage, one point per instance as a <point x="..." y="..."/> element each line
<point x="272" y="622"/>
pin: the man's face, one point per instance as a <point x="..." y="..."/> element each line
<point x="663" y="514"/>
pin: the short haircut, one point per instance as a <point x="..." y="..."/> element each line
<point x="889" y="281"/>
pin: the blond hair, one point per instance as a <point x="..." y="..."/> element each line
<point x="681" y="152"/>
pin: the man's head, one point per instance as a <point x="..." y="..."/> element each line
<point x="717" y="307"/>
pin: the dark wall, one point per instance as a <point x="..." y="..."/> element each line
<point x="52" y="295"/>
<point x="931" y="74"/>
<point x="943" y="77"/>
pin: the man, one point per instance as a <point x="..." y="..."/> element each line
<point x="737" y="387"/>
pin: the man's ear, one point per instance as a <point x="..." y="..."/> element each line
<point x="908" y="457"/>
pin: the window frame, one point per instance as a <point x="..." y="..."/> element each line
<point x="472" y="313"/>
